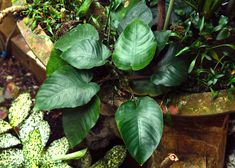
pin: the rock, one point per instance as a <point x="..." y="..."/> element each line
<point x="11" y="91"/>
<point x="3" y="113"/>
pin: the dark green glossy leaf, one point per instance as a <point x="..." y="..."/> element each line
<point x="66" y="88"/>
<point x="78" y="122"/>
<point x="117" y="16"/>
<point x="86" y="54"/>
<point x="162" y="39"/>
<point x="146" y="87"/>
<point x="140" y="123"/>
<point x="172" y="71"/>
<point x="140" y="11"/>
<point x="79" y="33"/>
<point x="135" y="47"/>
<point x="55" y="62"/>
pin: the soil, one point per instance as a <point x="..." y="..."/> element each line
<point x="13" y="72"/>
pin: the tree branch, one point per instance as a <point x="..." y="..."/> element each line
<point x="10" y="10"/>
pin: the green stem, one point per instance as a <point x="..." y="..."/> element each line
<point x="71" y="156"/>
<point x="168" y="15"/>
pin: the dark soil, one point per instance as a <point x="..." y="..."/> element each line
<point x="13" y="72"/>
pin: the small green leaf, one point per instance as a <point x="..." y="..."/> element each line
<point x="19" y="109"/>
<point x="86" y="54"/>
<point x="4" y="126"/>
<point x="135" y="47"/>
<point x="225" y="45"/>
<point x="12" y="158"/>
<point x="79" y="33"/>
<point x="78" y="122"/>
<point x="182" y="51"/>
<point x="32" y="149"/>
<point x="35" y="121"/>
<point x="140" y="11"/>
<point x="65" y="88"/>
<point x="140" y="123"/>
<point x="202" y="23"/>
<point x="55" y="61"/>
<point x="8" y="140"/>
<point x="192" y="65"/>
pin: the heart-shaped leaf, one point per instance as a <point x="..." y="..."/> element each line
<point x="79" y="33"/>
<point x="86" y="54"/>
<point x="78" y="122"/>
<point x="55" y="61"/>
<point x="145" y="87"/>
<point x="139" y="11"/>
<point x="66" y="88"/>
<point x="117" y="15"/>
<point x="135" y="47"/>
<point x="140" y="123"/>
<point x="171" y="70"/>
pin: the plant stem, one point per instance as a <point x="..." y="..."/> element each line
<point x="161" y="14"/>
<point x="168" y="15"/>
<point x="70" y="156"/>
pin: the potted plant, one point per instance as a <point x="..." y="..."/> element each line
<point x="117" y="59"/>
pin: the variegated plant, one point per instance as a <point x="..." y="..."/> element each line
<point x="23" y="140"/>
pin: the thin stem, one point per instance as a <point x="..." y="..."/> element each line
<point x="161" y="14"/>
<point x="168" y="15"/>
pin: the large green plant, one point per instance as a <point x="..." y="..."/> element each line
<point x="142" y="62"/>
